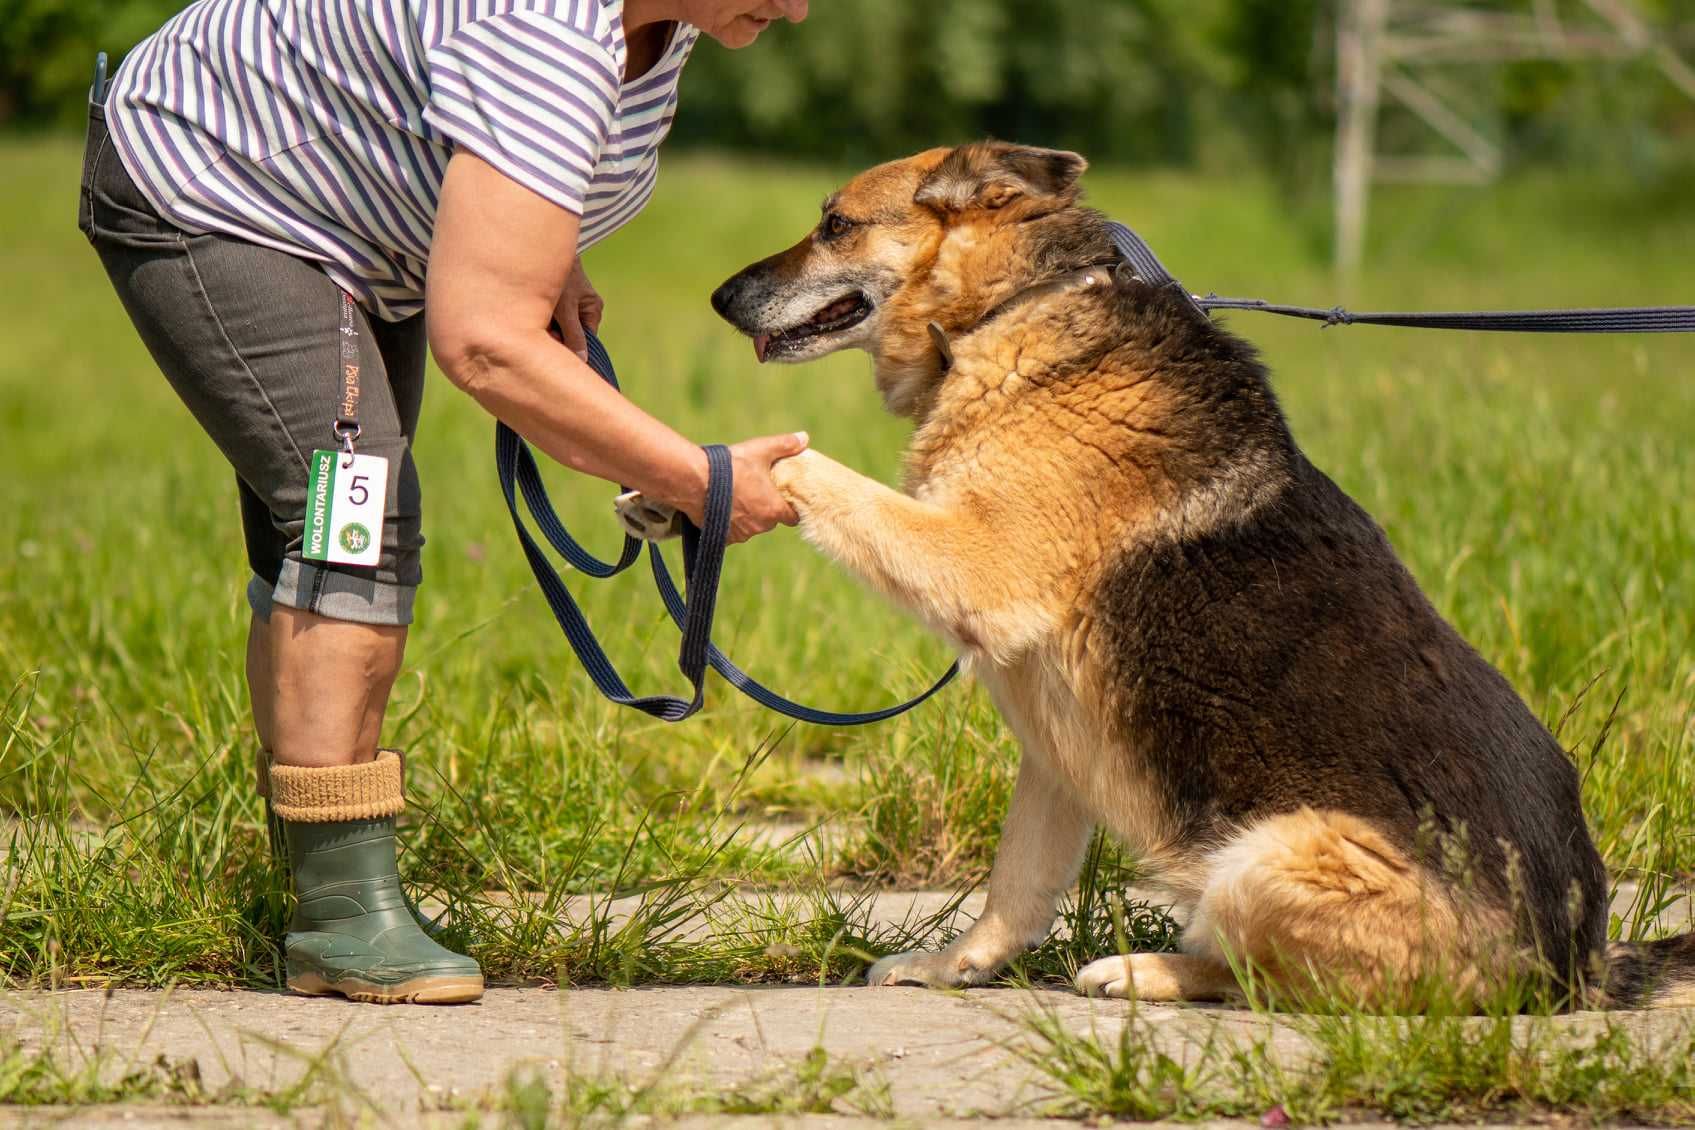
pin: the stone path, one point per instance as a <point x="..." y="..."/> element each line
<point x="936" y="1054"/>
<point x="919" y="1057"/>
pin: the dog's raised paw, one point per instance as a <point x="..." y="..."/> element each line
<point x="646" y="519"/>
<point x="789" y="474"/>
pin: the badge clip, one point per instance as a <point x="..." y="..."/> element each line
<point x="345" y="434"/>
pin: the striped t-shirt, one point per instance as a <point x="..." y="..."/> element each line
<point x="323" y="127"/>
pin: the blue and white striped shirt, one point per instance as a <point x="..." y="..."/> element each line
<point x="323" y="127"/>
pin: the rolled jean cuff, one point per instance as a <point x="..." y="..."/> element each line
<point x="259" y="597"/>
<point x="338" y="595"/>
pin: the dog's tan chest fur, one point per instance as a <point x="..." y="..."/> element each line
<point x="1063" y="501"/>
<point x="1022" y="431"/>
<point x="1039" y="695"/>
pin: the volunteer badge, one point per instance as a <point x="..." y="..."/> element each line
<point x="344" y="504"/>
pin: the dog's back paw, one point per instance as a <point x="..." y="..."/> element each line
<point x="1157" y="977"/>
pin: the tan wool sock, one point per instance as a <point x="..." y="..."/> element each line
<point x="338" y="792"/>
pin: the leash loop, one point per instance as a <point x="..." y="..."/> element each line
<point x="691" y="610"/>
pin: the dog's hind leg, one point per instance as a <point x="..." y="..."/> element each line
<point x="1322" y="902"/>
<point x="1041" y="850"/>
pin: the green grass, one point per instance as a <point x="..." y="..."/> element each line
<point x="813" y="1085"/>
<point x="1434" y="1068"/>
<point x="1538" y="487"/>
<point x="52" y="1067"/>
<point x="31" y="1076"/>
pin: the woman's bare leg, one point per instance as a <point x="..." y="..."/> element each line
<point x="319" y="687"/>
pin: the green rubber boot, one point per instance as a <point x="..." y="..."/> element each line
<point x="279" y="842"/>
<point x="352" y="932"/>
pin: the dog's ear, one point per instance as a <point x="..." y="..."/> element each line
<point x="990" y="175"/>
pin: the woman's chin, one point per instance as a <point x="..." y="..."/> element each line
<point x="741" y="32"/>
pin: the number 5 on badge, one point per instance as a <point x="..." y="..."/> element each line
<point x="344" y="508"/>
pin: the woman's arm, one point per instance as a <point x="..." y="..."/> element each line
<point x="498" y="262"/>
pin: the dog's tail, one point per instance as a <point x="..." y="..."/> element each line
<point x="1658" y="974"/>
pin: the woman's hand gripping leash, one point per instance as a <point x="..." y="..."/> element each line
<point x="758" y="506"/>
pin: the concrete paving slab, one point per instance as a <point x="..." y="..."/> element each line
<point x="920" y="1058"/>
<point x="931" y="1056"/>
<point x="131" y="1117"/>
<point x="919" y="1055"/>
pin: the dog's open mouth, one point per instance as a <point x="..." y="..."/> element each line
<point x="842" y="314"/>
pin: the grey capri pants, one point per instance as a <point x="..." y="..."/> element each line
<point x="249" y="338"/>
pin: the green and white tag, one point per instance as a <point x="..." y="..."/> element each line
<point x="344" y="508"/>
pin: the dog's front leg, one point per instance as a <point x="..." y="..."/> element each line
<point x="938" y="562"/>
<point x="1040" y="852"/>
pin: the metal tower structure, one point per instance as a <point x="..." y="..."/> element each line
<point x="1388" y="50"/>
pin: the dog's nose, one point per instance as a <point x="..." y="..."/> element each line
<point x="722" y="297"/>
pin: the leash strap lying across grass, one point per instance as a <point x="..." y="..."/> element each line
<point x="1628" y="319"/>
<point x="703" y="562"/>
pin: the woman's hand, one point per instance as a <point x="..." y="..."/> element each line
<point x="579" y="306"/>
<point x="759" y="507"/>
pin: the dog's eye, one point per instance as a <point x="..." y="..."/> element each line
<point x="836" y="225"/>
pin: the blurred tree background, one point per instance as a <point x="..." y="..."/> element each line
<point x="1212" y="84"/>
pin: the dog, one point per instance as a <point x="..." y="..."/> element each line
<point x="1201" y="642"/>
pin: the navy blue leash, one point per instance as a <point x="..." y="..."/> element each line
<point x="703" y="549"/>
<point x="703" y="562"/>
<point x="1630" y="319"/>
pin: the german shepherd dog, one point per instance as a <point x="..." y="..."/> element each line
<point x="1201" y="642"/>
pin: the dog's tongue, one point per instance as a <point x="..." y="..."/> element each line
<point x="761" y="342"/>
